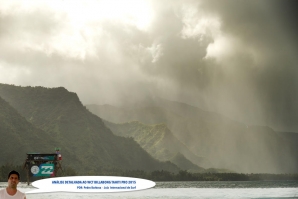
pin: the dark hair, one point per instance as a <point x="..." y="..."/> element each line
<point x="13" y="172"/>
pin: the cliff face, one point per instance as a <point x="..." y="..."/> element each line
<point x="86" y="143"/>
<point x="18" y="135"/>
<point x="157" y="140"/>
<point x="39" y="119"/>
<point x="224" y="143"/>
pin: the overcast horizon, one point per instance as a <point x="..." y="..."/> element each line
<point x="238" y="58"/>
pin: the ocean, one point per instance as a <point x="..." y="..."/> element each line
<point x="175" y="190"/>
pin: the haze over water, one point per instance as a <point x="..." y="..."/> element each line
<point x="175" y="190"/>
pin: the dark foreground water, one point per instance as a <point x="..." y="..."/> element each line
<point x="175" y="190"/>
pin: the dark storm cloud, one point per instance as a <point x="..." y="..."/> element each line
<point x="271" y="75"/>
<point x="234" y="57"/>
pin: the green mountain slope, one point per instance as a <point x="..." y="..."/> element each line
<point x="225" y="143"/>
<point x="157" y="140"/>
<point x="60" y="114"/>
<point x="18" y="136"/>
<point x="180" y="160"/>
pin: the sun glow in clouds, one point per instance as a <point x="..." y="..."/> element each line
<point x="81" y="24"/>
<point x="132" y="12"/>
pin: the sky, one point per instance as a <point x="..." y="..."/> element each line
<point x="234" y="57"/>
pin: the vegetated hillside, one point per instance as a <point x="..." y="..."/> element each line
<point x="19" y="137"/>
<point x="157" y="140"/>
<point x="61" y="114"/>
<point x="225" y="143"/>
<point x="180" y="160"/>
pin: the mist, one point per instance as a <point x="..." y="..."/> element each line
<point x="236" y="58"/>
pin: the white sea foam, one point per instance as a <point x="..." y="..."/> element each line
<point x="175" y="193"/>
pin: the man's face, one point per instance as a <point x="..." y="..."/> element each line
<point x="13" y="181"/>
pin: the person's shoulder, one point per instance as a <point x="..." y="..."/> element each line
<point x="20" y="193"/>
<point x="2" y="192"/>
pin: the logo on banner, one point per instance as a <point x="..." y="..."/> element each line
<point x="43" y="170"/>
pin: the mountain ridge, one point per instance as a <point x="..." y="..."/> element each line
<point x="77" y="131"/>
<point x="226" y="143"/>
<point x="156" y="139"/>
